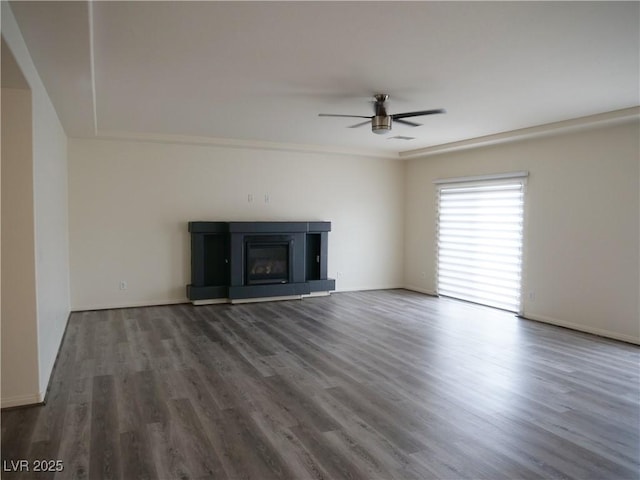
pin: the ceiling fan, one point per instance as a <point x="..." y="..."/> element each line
<point x="381" y="121"/>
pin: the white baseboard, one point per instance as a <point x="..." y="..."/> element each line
<point x="368" y="288"/>
<point x="22" y="400"/>
<point x="583" y="328"/>
<point x="420" y="290"/>
<point x="146" y="303"/>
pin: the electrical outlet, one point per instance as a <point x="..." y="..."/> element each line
<point x="267" y="198"/>
<point x="123" y="285"/>
<point x="250" y="197"/>
<point x="423" y="275"/>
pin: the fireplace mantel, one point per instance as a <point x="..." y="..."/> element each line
<point x="222" y="263"/>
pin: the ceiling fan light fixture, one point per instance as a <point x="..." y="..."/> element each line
<point x="381" y="121"/>
<point x="381" y="124"/>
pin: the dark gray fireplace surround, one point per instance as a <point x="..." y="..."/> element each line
<point x="258" y="260"/>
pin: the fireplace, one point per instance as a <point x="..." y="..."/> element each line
<point x="244" y="261"/>
<point x="268" y="259"/>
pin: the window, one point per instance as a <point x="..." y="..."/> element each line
<point x="480" y="227"/>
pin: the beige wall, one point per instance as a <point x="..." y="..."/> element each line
<point x="19" y="314"/>
<point x="582" y="234"/>
<point x="130" y="203"/>
<point x="49" y="223"/>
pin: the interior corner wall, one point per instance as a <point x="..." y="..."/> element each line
<point x="130" y="203"/>
<point x="582" y="233"/>
<point x="50" y="212"/>
<point x="20" y="378"/>
<point x="52" y="233"/>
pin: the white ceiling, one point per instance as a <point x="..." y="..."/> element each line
<point x="260" y="72"/>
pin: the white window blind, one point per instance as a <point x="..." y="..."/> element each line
<point x="480" y="241"/>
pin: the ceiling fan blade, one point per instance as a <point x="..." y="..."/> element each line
<point x="407" y="122"/>
<point x="368" y="122"/>
<point x="336" y="115"/>
<point x="418" y="114"/>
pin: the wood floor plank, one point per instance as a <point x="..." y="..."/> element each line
<point x="301" y="405"/>
<point x="381" y="384"/>
<point x="136" y="455"/>
<point x="335" y="461"/>
<point x="383" y="421"/>
<point x="129" y="412"/>
<point x="370" y="465"/>
<point x="17" y="432"/>
<point x="75" y="442"/>
<point x="378" y="445"/>
<point x="148" y="392"/>
<point x="298" y="459"/>
<point x="248" y="452"/>
<point x="198" y="452"/>
<point x="168" y="457"/>
<point x="105" y="435"/>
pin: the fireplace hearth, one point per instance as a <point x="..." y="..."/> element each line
<point x="240" y="261"/>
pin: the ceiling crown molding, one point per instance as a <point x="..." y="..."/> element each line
<point x="240" y="143"/>
<point x="575" y="124"/>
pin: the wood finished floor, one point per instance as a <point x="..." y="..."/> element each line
<point x="384" y="384"/>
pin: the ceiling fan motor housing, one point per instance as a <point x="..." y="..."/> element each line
<point x="381" y="124"/>
<point x="381" y="121"/>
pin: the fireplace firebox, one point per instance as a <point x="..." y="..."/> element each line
<point x="268" y="259"/>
